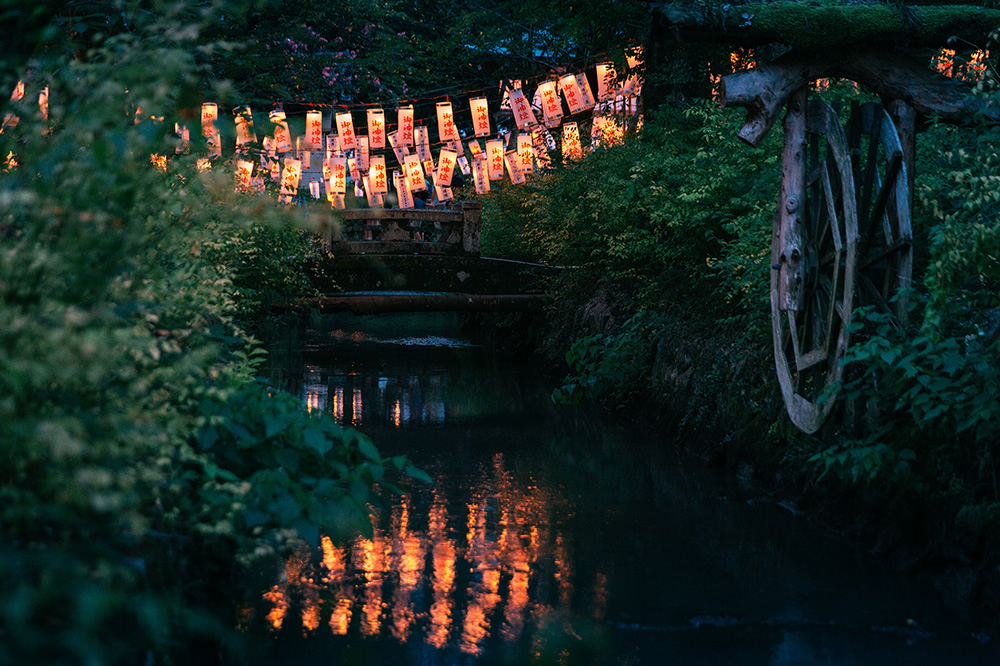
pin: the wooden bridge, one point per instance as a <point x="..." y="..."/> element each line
<point x="418" y="260"/>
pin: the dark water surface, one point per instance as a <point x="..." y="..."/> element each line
<point x="554" y="537"/>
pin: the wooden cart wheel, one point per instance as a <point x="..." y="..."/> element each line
<point x="885" y="248"/>
<point x="813" y="252"/>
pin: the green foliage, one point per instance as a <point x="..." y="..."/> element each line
<point x="602" y="365"/>
<point x="138" y="457"/>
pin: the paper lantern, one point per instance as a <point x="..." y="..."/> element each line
<point x="377" y="175"/>
<point x="402" y="191"/>
<point x="345" y="130"/>
<point x="305" y="154"/>
<point x="588" y="94"/>
<point x="338" y="175"/>
<point x="606" y="77"/>
<point x="404" y="118"/>
<point x="184" y="138"/>
<point x="332" y="146"/>
<point x="541" y="149"/>
<point x="244" y="127"/>
<point x="423" y="143"/>
<point x="475" y="149"/>
<point x="551" y="106"/>
<point x="244" y="175"/>
<point x="203" y="164"/>
<point x="480" y="116"/>
<point x="376" y="128"/>
<point x="447" y="131"/>
<point x="43" y="104"/>
<point x="352" y="168"/>
<point x="209" y="114"/>
<point x="414" y="174"/>
<point x="446" y="167"/>
<point x="494" y="159"/>
<point x="513" y="170"/>
<point x="361" y="152"/>
<point x="282" y="137"/>
<point x="571" y="148"/>
<point x="314" y="131"/>
<point x="371" y="197"/>
<point x="521" y="108"/>
<point x="338" y="202"/>
<point x="398" y="150"/>
<point x="17" y="94"/>
<point x="479" y="175"/>
<point x="525" y="156"/>
<point x="314" y="188"/>
<point x="214" y="142"/>
<point x="443" y="193"/>
<point x="290" y="176"/>
<point x="571" y="91"/>
<point x="463" y="164"/>
<point x="456" y="146"/>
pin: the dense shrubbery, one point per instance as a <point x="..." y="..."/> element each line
<point x="138" y="456"/>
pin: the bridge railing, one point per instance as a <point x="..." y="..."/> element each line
<point x="408" y="231"/>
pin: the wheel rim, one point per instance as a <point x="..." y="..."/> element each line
<point x="885" y="248"/>
<point x="809" y="342"/>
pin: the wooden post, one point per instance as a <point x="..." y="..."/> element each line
<point x="791" y="255"/>
<point x="472" y="222"/>
<point x="904" y="118"/>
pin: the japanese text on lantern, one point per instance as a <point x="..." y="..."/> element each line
<point x="494" y="157"/>
<point x="521" y="108"/>
<point x="314" y="131"/>
<point x="338" y="175"/>
<point x="345" y="129"/>
<point x="446" y="167"/>
<point x="377" y="175"/>
<point x="414" y="174"/>
<point x="480" y="116"/>
<point x="209" y="114"/>
<point x="446" y="122"/>
<point x="551" y="106"/>
<point x="376" y="128"/>
<point x="404" y="118"/>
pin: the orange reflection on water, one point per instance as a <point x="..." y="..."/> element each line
<point x="356" y="407"/>
<point x="337" y="404"/>
<point x="415" y="580"/>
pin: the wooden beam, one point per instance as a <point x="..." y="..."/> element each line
<point x="764" y="90"/>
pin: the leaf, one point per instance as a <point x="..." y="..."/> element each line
<point x="317" y="440"/>
<point x="366" y="447"/>
<point x="254" y="517"/>
<point x="273" y="425"/>
<point x="418" y="474"/>
<point x="308" y="531"/>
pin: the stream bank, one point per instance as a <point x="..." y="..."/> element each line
<point x="716" y="397"/>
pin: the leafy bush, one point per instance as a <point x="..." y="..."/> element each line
<point x="138" y="456"/>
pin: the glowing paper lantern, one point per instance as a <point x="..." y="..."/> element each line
<point x="398" y="150"/>
<point x="282" y="137"/>
<point x="402" y="191"/>
<point x="447" y="131"/>
<point x="479" y="175"/>
<point x="17" y="94"/>
<point x="244" y="175"/>
<point x="463" y="164"/>
<point x="606" y="77"/>
<point x="376" y="128"/>
<point x="571" y="148"/>
<point x="314" y="131"/>
<point x="290" y="176"/>
<point x="404" y="119"/>
<point x="571" y="91"/>
<point x="314" y="188"/>
<point x="541" y="149"/>
<point x="511" y="162"/>
<point x="588" y="94"/>
<point x="475" y="149"/>
<point x="345" y="130"/>
<point x="338" y="175"/>
<point x="446" y="167"/>
<point x="423" y="143"/>
<point x="480" y="116"/>
<point x="494" y="159"/>
<point x="304" y="153"/>
<point x="332" y="146"/>
<point x="361" y="152"/>
<point x="352" y="168"/>
<point x="184" y="136"/>
<point x="209" y="114"/>
<point x="377" y="175"/>
<point x="339" y="202"/>
<point x="521" y="108"/>
<point x="414" y="174"/>
<point x="43" y="103"/>
<point x="443" y="193"/>
<point x="456" y="146"/>
<point x="214" y="142"/>
<point x="551" y="106"/>
<point x="525" y="156"/>
<point x="244" y="127"/>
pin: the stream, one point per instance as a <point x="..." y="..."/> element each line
<point x="551" y="535"/>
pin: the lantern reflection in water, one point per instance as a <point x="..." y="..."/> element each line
<point x="414" y="580"/>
